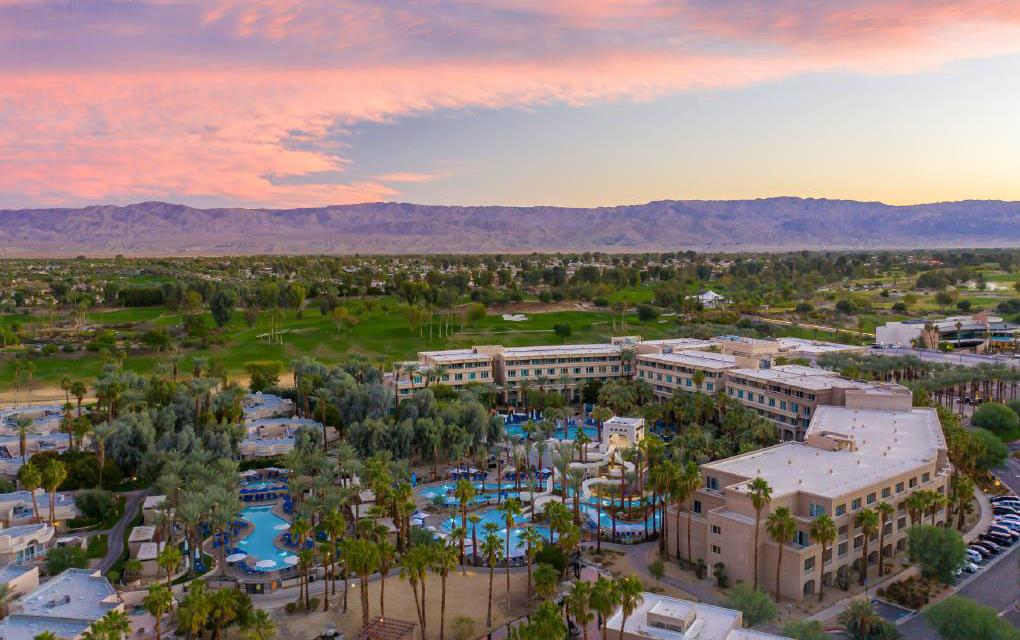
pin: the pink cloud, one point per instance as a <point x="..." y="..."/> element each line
<point x="209" y="126"/>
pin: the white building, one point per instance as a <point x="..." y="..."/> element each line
<point x="623" y="432"/>
<point x="65" y="605"/>
<point x="710" y="299"/>
<point x="664" y="618"/>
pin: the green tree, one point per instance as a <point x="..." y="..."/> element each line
<point x="781" y="528"/>
<point x="959" y="618"/>
<point x="260" y="626"/>
<point x="761" y="495"/>
<point x="755" y="605"/>
<point x="628" y="591"/>
<point x="867" y="520"/>
<point x="939" y="551"/>
<point x="991" y="451"/>
<point x="824" y="533"/>
<point x="158" y="603"/>
<point x="997" y="418"/>
<point x="603" y="600"/>
<point x="862" y="623"/>
<point x="805" y="630"/>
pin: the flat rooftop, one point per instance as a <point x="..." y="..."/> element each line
<point x="887" y="443"/>
<point x="456" y="355"/>
<point x="694" y="359"/>
<point x="75" y="594"/>
<point x="813" y="378"/>
<point x="707" y="622"/>
<point x="562" y="350"/>
<point x="814" y="347"/>
<point x="680" y="343"/>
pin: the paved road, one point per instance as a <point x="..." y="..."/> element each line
<point x="115" y="536"/>
<point x="996" y="586"/>
<point x="962" y="359"/>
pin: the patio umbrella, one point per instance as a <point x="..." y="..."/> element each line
<point x="291" y="560"/>
<point x="236" y="557"/>
<point x="282" y="527"/>
<point x="265" y="564"/>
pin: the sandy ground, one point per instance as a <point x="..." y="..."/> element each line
<point x="465" y="596"/>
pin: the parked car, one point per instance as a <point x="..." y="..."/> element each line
<point x="989" y="547"/>
<point x="982" y="552"/>
<point x="1004" y="511"/>
<point x="1000" y="542"/>
<point x="974" y="556"/>
<point x="1012" y="525"/>
<point x="1003" y="498"/>
<point x="1001" y="528"/>
<point x="970" y="567"/>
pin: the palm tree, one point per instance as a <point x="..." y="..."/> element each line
<point x="916" y="504"/>
<point x="885" y="512"/>
<point x="222" y="610"/>
<point x="867" y="520"/>
<point x="193" y="612"/>
<point x="533" y="541"/>
<point x="444" y="561"/>
<point x="301" y="529"/>
<point x="860" y="619"/>
<point x="761" y="495"/>
<point x="334" y="524"/>
<point x="168" y="560"/>
<point x="603" y="600"/>
<point x="322" y="399"/>
<point x="688" y="482"/>
<point x="474" y="520"/>
<point x="546" y="579"/>
<point x="824" y="532"/>
<point x="781" y="528"/>
<point x="31" y="478"/>
<point x="413" y="565"/>
<point x="628" y="591"/>
<point x="52" y="475"/>
<point x="100" y="434"/>
<point x="79" y="390"/>
<point x="492" y="549"/>
<point x="387" y="554"/>
<point x="364" y="562"/>
<point x="306" y="558"/>
<point x="259" y="626"/>
<point x="116" y="623"/>
<point x="579" y="605"/>
<point x="465" y="492"/>
<point x="23" y="424"/>
<point x="158" y="602"/>
<point x="510" y="510"/>
<point x="45" y="635"/>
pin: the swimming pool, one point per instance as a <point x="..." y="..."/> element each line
<point x="516" y="430"/>
<point x="485" y="492"/>
<point x="259" y="543"/>
<point x="517" y="547"/>
<point x="262" y="484"/>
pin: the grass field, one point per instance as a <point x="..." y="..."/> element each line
<point x="381" y="336"/>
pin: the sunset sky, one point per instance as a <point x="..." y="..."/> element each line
<point x="287" y="103"/>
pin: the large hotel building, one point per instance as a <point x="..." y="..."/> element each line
<point x="742" y="368"/>
<point x="851" y="458"/>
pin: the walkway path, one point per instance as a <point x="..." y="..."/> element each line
<point x="115" y="536"/>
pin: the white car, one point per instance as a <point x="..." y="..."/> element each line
<point x="970" y="567"/>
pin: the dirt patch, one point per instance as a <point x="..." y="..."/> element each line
<point x="537" y="306"/>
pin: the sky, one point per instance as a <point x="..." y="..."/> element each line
<point x="295" y="103"/>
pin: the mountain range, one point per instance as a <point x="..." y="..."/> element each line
<point x="770" y="224"/>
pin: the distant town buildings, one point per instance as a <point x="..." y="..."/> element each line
<point x="664" y="618"/>
<point x="980" y="332"/>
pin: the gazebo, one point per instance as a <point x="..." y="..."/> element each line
<point x="387" y="629"/>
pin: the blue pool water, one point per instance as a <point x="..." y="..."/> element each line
<point x="259" y="543"/>
<point x="486" y="492"/>
<point x="261" y="484"/>
<point x="517" y="547"/>
<point x="516" y="430"/>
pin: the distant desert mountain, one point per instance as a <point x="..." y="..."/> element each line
<point x="772" y="224"/>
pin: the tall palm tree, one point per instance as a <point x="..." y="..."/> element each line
<point x="603" y="600"/>
<point x="579" y="605"/>
<point x="689" y="482"/>
<point x="323" y="397"/>
<point x="31" y="478"/>
<point x="364" y="562"/>
<point x="867" y="520"/>
<point x="761" y="495"/>
<point x="444" y="561"/>
<point x="533" y="541"/>
<point x="387" y="554"/>
<point x="78" y="390"/>
<point x="781" y="528"/>
<point x="510" y="510"/>
<point x="492" y="550"/>
<point x="413" y="565"/>
<point x="327" y="554"/>
<point x="465" y="493"/>
<point x="52" y="475"/>
<point x="885" y="512"/>
<point x="24" y="425"/>
<point x="158" y="602"/>
<point x="193" y="612"/>
<point x="168" y="560"/>
<point x="824" y="532"/>
<point x="116" y="623"/>
<point x="628" y="591"/>
<point x="335" y="526"/>
<point x="916" y="504"/>
<point x="223" y="610"/>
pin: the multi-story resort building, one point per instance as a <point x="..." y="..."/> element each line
<point x="562" y="367"/>
<point x="16" y="508"/>
<point x="452" y="367"/>
<point x="693" y="371"/>
<point x="980" y="332"/>
<point x="665" y="618"/>
<point x="25" y="542"/>
<point x="789" y="395"/>
<point x="850" y="459"/>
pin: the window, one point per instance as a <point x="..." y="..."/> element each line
<point x="842" y="548"/>
<point x="856" y="504"/>
<point x="716" y="550"/>
<point x="712" y="483"/>
<point x="913" y="482"/>
<point x="809" y="563"/>
<point x="901" y="523"/>
<point x="925" y="477"/>
<point x="886" y="492"/>
<point x="899" y="487"/>
<point x="697" y="506"/>
<point x="858" y="542"/>
<point x="716" y="529"/>
<point x="802" y="539"/>
<point x="815" y="510"/>
<point x="841" y="510"/>
<point x="872" y="498"/>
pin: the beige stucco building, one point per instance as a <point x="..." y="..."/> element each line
<point x="851" y="459"/>
<point x="664" y="618"/>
